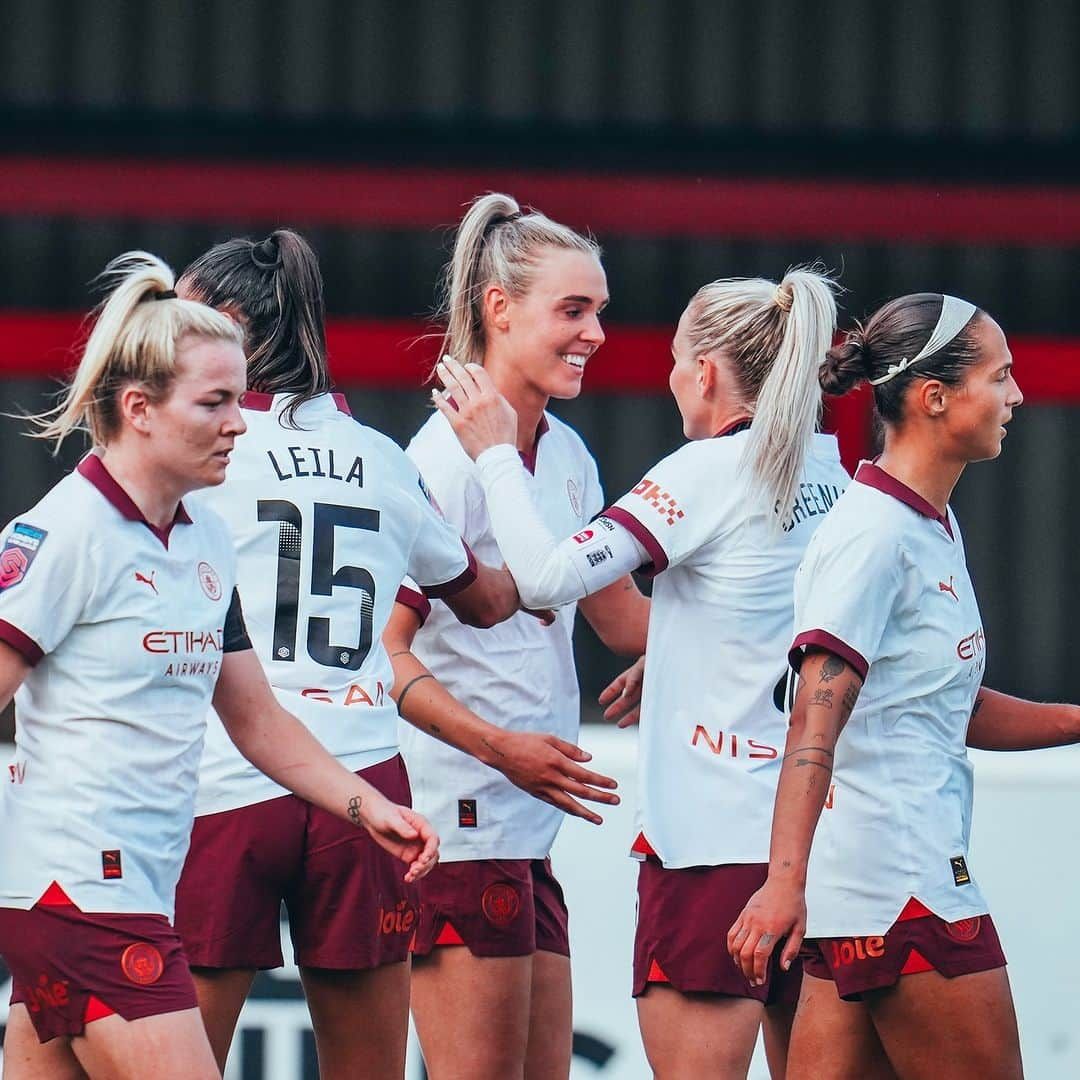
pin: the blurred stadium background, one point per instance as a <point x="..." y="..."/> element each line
<point x="910" y="145"/>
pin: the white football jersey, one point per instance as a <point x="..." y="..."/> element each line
<point x="714" y="712"/>
<point x="126" y="627"/>
<point x="519" y="674"/>
<point x="327" y="516"/>
<point x="884" y="584"/>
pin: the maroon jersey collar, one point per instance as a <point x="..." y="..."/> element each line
<point x="874" y="476"/>
<point x="92" y="468"/>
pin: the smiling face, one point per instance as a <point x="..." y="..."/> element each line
<point x="191" y="431"/>
<point x="545" y="337"/>
<point x="981" y="406"/>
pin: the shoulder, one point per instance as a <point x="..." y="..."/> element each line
<point x="566" y="438"/>
<point x="436" y="452"/>
<point x="863" y="525"/>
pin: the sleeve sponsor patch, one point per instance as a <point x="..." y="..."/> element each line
<point x="20" y="549"/>
<point x="663" y="503"/>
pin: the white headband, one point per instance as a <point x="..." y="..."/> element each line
<point x="955" y="315"/>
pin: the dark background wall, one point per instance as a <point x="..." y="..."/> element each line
<point x="809" y="94"/>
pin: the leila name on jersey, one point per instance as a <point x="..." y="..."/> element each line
<point x="315" y="461"/>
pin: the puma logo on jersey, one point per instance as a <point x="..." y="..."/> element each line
<point x="942" y="587"/>
<point x="147" y="580"/>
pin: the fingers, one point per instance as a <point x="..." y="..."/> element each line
<point x="569" y="749"/>
<point x="630" y="719"/>
<point x="613" y="690"/>
<point x="576" y="774"/>
<point x="792" y="947"/>
<point x="569" y="805"/>
<point x="545" y="615"/>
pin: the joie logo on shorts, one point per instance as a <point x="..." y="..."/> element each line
<point x="19" y="551"/>
<point x="960" y="873"/>
<point x="111" y="866"/>
<point x="399" y="920"/>
<point x="47" y="994"/>
<point x="848" y="952"/>
<point x="466" y="813"/>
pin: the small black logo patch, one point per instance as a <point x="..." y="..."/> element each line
<point x="466" y="813"/>
<point x="111" y="866"/>
<point x="959" y="870"/>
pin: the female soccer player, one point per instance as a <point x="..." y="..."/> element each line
<point x="491" y="975"/>
<point x="119" y="620"/>
<point x="722" y="524"/>
<point x="890" y="650"/>
<point x="327" y="516"/>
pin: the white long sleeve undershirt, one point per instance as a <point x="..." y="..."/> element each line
<point x="550" y="572"/>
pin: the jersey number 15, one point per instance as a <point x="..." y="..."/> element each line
<point x="324" y="579"/>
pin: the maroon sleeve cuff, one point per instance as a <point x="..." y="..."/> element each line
<point x="417" y="601"/>
<point x="644" y="538"/>
<point x="462" y="581"/>
<point x="25" y="646"/>
<point x="822" y="639"/>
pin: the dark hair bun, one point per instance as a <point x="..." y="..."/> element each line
<point x="845" y="366"/>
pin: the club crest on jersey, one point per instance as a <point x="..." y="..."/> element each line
<point x="210" y="582"/>
<point x="574" y="496"/>
<point x="19" y="551"/>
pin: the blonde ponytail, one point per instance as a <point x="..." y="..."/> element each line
<point x="775" y="337"/>
<point x="133" y="340"/>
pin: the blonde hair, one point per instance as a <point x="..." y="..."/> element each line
<point x="775" y="337"/>
<point x="133" y="340"/>
<point x="496" y="243"/>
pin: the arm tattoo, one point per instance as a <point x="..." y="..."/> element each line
<point x="809" y="749"/>
<point x="497" y="753"/>
<point x="824" y="698"/>
<point x="977" y="706"/>
<point x="832" y="667"/>
<point x="354" y="809"/>
<point x="847" y="703"/>
<point x="806" y="761"/>
<point x="409" y="685"/>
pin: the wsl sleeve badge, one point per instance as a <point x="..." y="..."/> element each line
<point x="21" y="547"/>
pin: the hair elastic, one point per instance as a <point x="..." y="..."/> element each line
<point x="165" y="294"/>
<point x="266" y="254"/>
<point x="955" y="315"/>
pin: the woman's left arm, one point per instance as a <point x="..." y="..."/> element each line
<point x="276" y="743"/>
<point x="1001" y="722"/>
<point x="619" y="614"/>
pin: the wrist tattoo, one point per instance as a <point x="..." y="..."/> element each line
<point x="354" y="809"/>
<point x="484" y="740"/>
<point x="409" y="685"/>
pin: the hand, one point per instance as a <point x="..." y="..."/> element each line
<point x="545" y="616"/>
<point x="480" y="416"/>
<point x="776" y="910"/>
<point x="548" y="768"/>
<point x="403" y="832"/>
<point x="622" y="695"/>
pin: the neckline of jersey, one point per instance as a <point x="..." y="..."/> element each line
<point x="742" y="424"/>
<point x="93" y="469"/>
<point x="873" y="475"/>
<point x="528" y="457"/>
<point x="257" y="401"/>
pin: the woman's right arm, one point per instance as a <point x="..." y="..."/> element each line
<point x="828" y="690"/>
<point x="544" y="766"/>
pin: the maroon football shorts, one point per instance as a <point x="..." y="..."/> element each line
<point x="349" y="907"/>
<point x="917" y="941"/>
<point x="682" y="925"/>
<point x="496" y="907"/>
<point x="70" y="967"/>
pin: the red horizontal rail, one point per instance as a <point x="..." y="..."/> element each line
<point x="397" y="354"/>
<point x="609" y="204"/>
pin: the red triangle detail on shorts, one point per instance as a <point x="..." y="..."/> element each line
<point x="54" y="896"/>
<point x="656" y="974"/>
<point x="449" y="936"/>
<point x="915" y="963"/>
<point x="641" y="846"/>
<point x="96" y="1010"/>
<point x="914" y="909"/>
